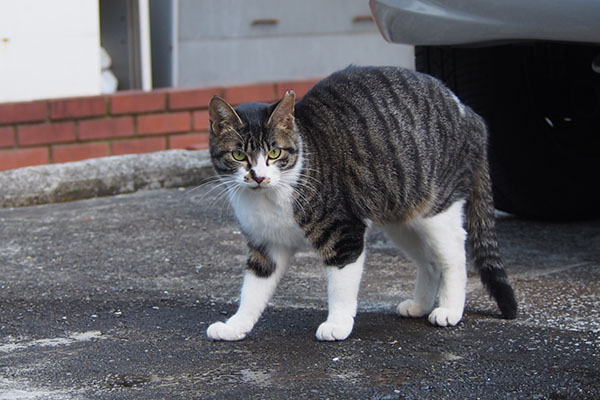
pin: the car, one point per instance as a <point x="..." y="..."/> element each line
<point x="532" y="70"/>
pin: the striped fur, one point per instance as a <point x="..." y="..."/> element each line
<point x="382" y="145"/>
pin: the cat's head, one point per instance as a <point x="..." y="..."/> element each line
<point x="255" y="145"/>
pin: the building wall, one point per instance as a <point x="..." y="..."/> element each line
<point x="243" y="41"/>
<point x="49" y="49"/>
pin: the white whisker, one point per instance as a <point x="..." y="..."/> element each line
<point x="209" y="181"/>
<point x="309" y="181"/>
<point x="231" y="193"/>
<point x="218" y="197"/>
<point x="223" y="186"/>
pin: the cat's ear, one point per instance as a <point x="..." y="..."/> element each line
<point x="222" y="116"/>
<point x="283" y="115"/>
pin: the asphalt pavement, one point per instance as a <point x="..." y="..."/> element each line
<point x="109" y="298"/>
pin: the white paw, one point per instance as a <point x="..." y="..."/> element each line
<point x="338" y="330"/>
<point x="445" y="316"/>
<point x="410" y="308"/>
<point x="223" y="331"/>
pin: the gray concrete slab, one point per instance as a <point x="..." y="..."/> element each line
<point x="109" y="298"/>
<point x="103" y="176"/>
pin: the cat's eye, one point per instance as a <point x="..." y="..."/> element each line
<point x="238" y="155"/>
<point x="275" y="153"/>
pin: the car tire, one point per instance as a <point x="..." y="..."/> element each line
<point x="542" y="105"/>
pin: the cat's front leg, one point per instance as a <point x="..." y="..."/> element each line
<point x="265" y="268"/>
<point x="342" y="292"/>
<point x="255" y="294"/>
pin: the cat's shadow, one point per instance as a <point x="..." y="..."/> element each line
<point x="387" y="325"/>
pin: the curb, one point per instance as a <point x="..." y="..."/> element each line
<point x="104" y="176"/>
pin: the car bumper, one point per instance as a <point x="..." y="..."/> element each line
<point x="460" y="22"/>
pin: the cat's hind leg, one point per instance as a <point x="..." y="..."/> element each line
<point x="257" y="290"/>
<point x="445" y="241"/>
<point x="437" y="245"/>
<point x="409" y="239"/>
<point x="342" y="294"/>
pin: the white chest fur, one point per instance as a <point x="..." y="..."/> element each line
<point x="267" y="217"/>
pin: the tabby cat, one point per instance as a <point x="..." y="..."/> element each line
<point x="366" y="146"/>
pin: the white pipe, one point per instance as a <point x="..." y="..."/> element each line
<point x="145" y="51"/>
<point x="175" y="44"/>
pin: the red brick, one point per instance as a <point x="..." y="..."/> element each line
<point x="76" y="152"/>
<point x="78" y="107"/>
<point x="106" y="128"/>
<point x="201" y="120"/>
<point x="195" y="98"/>
<point x="145" y="145"/>
<point x="19" y="158"/>
<point x="7" y="136"/>
<point x="299" y="87"/>
<point x="138" y="102"/>
<point x="58" y="132"/>
<point x="192" y="141"/>
<point x="163" y="123"/>
<point x="264" y="92"/>
<point x="22" y="112"/>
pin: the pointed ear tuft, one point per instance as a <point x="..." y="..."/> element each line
<point x="283" y="115"/>
<point x="222" y="116"/>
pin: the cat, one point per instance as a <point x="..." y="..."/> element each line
<point x="366" y="146"/>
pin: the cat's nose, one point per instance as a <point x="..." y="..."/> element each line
<point x="259" y="179"/>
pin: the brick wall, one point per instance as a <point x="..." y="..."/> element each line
<point x="63" y="130"/>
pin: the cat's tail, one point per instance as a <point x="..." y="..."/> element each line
<point x="484" y="246"/>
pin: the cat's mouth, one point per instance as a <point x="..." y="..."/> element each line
<point x="258" y="187"/>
